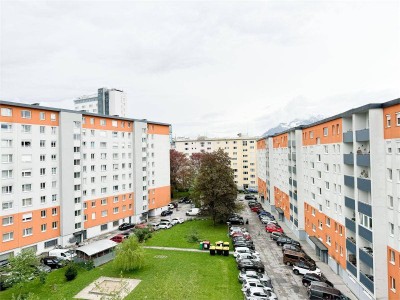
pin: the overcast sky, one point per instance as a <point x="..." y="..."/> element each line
<point x="208" y="68"/>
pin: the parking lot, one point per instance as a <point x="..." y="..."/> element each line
<point x="286" y="284"/>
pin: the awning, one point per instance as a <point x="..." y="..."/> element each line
<point x="318" y="243"/>
<point x="280" y="211"/>
<point x="97" y="247"/>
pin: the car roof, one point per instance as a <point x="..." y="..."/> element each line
<point x="325" y="289"/>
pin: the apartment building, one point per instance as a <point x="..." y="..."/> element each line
<point x="106" y="102"/>
<point x="241" y="150"/>
<point x="67" y="176"/>
<point x="336" y="184"/>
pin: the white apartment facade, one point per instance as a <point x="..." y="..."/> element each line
<point x="67" y="176"/>
<point x="110" y="102"/>
<point x="342" y="193"/>
<point x="241" y="150"/>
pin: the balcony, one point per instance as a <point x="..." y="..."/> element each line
<point x="351" y="245"/>
<point x="348" y="159"/>
<point x="290" y="169"/>
<point x="289" y="157"/>
<point x="350" y="224"/>
<point x="368" y="283"/>
<point x="363" y="160"/>
<point x="295" y="196"/>
<point x="348" y="137"/>
<point x="366" y="258"/>
<point x="294" y="156"/>
<point x="364" y="184"/>
<point x="365" y="208"/>
<point x="291" y="206"/>
<point x="362" y="135"/>
<point x="291" y="194"/>
<point x="291" y="218"/>
<point x="349" y="181"/>
<point x="294" y="170"/>
<point x="290" y="181"/>
<point x="295" y="209"/>
<point x="365" y="233"/>
<point x="351" y="268"/>
<point x="296" y="223"/>
<point x="293" y="143"/>
<point x="294" y="183"/>
<point x="350" y="203"/>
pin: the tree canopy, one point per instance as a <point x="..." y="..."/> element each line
<point x="214" y="187"/>
<point x="130" y="255"/>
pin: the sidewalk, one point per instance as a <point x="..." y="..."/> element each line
<point x="325" y="269"/>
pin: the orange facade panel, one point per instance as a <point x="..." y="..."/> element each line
<point x="100" y="123"/>
<point x="159" y="197"/>
<point x="27" y="115"/>
<point x="280" y="141"/>
<point x="108" y="209"/>
<point x="261" y="144"/>
<point x="37" y="225"/>
<point x="282" y="201"/>
<point x="393" y="263"/>
<point x="325" y="133"/>
<point x="321" y="226"/>
<point x="262" y="188"/>
<point x="157" y="129"/>
<point x="391" y="119"/>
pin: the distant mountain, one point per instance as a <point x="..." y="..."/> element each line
<point x="296" y="122"/>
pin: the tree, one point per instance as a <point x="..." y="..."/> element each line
<point x="180" y="170"/>
<point x="214" y="188"/>
<point x="23" y="268"/>
<point x="130" y="255"/>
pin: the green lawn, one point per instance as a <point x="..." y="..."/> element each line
<point x="176" y="236"/>
<point x="177" y="275"/>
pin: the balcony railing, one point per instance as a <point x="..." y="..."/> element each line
<point x="351" y="268"/>
<point x="348" y="159"/>
<point x="366" y="258"/>
<point x="350" y="203"/>
<point x="349" y="181"/>
<point x="363" y="160"/>
<point x="362" y="135"/>
<point x="348" y="137"/>
<point x="365" y="208"/>
<point x="364" y="184"/>
<point x="351" y="245"/>
<point x="350" y="224"/>
<point x="368" y="283"/>
<point x="365" y="233"/>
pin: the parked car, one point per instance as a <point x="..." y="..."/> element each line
<point x="248" y="282"/>
<point x="193" y="212"/>
<point x="127" y="233"/>
<point x="252" y="256"/>
<point x="244" y="244"/>
<point x="252" y="203"/>
<point x="321" y="292"/>
<point x="236" y="221"/>
<point x="244" y="276"/>
<point x="292" y="257"/>
<point x="177" y="220"/>
<point x="165" y="213"/>
<point x="304" y="268"/>
<point x="250" y="197"/>
<point x="243" y="250"/>
<point x="287" y="240"/>
<point x="275" y="235"/>
<point x="273" y="228"/>
<point x="65" y="254"/>
<point x="164" y="225"/>
<point x="259" y="293"/>
<point x="247" y="264"/>
<point x="310" y="278"/>
<point x="52" y="261"/>
<point x="126" y="226"/>
<point x="171" y="206"/>
<point x="119" y="238"/>
<point x="292" y="248"/>
<point x="256" y="208"/>
<point x="154" y="226"/>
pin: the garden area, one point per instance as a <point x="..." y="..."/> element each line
<point x="165" y="275"/>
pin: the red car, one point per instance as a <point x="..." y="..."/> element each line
<point x="273" y="228"/>
<point x="119" y="238"/>
<point x="256" y="208"/>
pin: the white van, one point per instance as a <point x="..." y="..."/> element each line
<point x="64" y="254"/>
<point x="193" y="212"/>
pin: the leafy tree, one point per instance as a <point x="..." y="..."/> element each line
<point x="130" y="255"/>
<point x="214" y="188"/>
<point x="23" y="268"/>
<point x="143" y="234"/>
<point x="71" y="272"/>
<point x="180" y="170"/>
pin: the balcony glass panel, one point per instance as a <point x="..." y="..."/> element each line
<point x="350" y="224"/>
<point x="365" y="233"/>
<point x="363" y="160"/>
<point x="367" y="282"/>
<point x="364" y="184"/>
<point x="348" y="159"/>
<point x="351" y="268"/>
<point x="348" y="137"/>
<point x="349" y="202"/>
<point x="349" y="181"/>
<point x="362" y="135"/>
<point x="366" y="258"/>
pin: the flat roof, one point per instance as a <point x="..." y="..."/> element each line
<point x="97" y="247"/>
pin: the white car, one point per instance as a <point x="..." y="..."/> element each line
<point x="177" y="221"/>
<point x="265" y="283"/>
<point x="243" y="250"/>
<point x="154" y="226"/>
<point x="302" y="268"/>
<point x="246" y="255"/>
<point x="171" y="206"/>
<point x="254" y="283"/>
<point x="259" y="293"/>
<point x="244" y="276"/>
<point x="164" y="225"/>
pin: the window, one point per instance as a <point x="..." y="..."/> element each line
<point x="43" y="227"/>
<point x="6" y="174"/>
<point x="27" y="231"/>
<point x="26" y="158"/>
<point x="27" y="187"/>
<point x="392" y="284"/>
<point x="365" y="221"/>
<point x="8" y="221"/>
<point x="25" y="114"/>
<point x="43" y="213"/>
<point x="390" y="201"/>
<point x="27" y="217"/>
<point x="53" y="117"/>
<point x="42" y="115"/>
<point x="388" y="120"/>
<point x="398" y="119"/>
<point x="42" y="129"/>
<point x="7" y="205"/>
<point x="328" y="239"/>
<point x="115" y="210"/>
<point x="42" y="199"/>
<point x="389" y="174"/>
<point x="103" y="122"/>
<point x="6" y="112"/>
<point x="54" y="225"/>
<point x="392" y="256"/>
<point x="26" y="128"/>
<point x="26" y="202"/>
<point x="391" y="229"/>
<point x="6" y="158"/>
<point x="103" y="227"/>
<point x="328" y="221"/>
<point x="54" y="211"/>
<point x="8" y="236"/>
<point x="325" y="131"/>
<point x="26" y="144"/>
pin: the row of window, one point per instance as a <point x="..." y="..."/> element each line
<point x="27" y="114"/>
<point x="8" y="174"/>
<point x="389" y="120"/>
<point x="7" y="127"/>
<point x="27" y="202"/>
<point x="104" y="133"/>
<point x="104" y="122"/>
<point x="9" y="236"/>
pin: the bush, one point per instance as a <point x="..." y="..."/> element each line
<point x="142" y="234"/>
<point x="193" y="236"/>
<point x="71" y="272"/>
